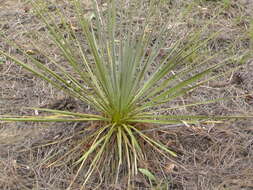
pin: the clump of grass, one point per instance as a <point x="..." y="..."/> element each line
<point x="124" y="77"/>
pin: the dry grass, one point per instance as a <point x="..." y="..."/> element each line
<point x="211" y="157"/>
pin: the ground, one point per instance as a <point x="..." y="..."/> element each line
<point x="213" y="157"/>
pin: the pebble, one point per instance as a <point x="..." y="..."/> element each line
<point x="51" y="7"/>
<point x="6" y="26"/>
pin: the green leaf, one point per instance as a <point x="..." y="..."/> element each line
<point x="149" y="140"/>
<point x="52" y="118"/>
<point x="2" y="60"/>
<point x="147" y="173"/>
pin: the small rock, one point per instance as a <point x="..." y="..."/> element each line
<point x="43" y="28"/>
<point x="27" y="9"/>
<point x="6" y="26"/>
<point x="51" y="7"/>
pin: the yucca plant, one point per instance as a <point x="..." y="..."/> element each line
<point x="124" y="78"/>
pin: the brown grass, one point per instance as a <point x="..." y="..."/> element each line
<point x="211" y="157"/>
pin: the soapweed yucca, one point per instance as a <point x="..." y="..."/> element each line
<point x="123" y="77"/>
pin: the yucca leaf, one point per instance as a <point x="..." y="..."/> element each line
<point x="98" y="155"/>
<point x="90" y="36"/>
<point x="123" y="77"/>
<point x="133" y="138"/>
<point x="45" y="73"/>
<point x="162" y="70"/>
<point x="53" y="118"/>
<point x="191" y="117"/>
<point x="94" y="145"/>
<point x="120" y="145"/>
<point x="66" y="49"/>
<point x="67" y="113"/>
<point x="181" y="92"/>
<point x="188" y="81"/>
<point x="148" y="174"/>
<point x="96" y="142"/>
<point x="135" y="146"/>
<point x="193" y="104"/>
<point x="153" y="141"/>
<point x="127" y="155"/>
<point x="164" y="85"/>
<point x="156" y="121"/>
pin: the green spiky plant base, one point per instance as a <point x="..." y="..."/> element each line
<point x="124" y="78"/>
